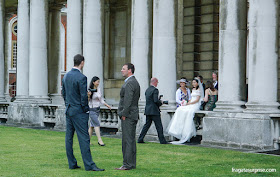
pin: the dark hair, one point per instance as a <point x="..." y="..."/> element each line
<point x="130" y="66"/>
<point x="78" y="59"/>
<point x="91" y="86"/>
<point x="209" y="84"/>
<point x="200" y="76"/>
<point x="197" y="82"/>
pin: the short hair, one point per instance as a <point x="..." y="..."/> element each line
<point x="200" y="76"/>
<point x="153" y="80"/>
<point x="78" y="59"/>
<point x="215" y="72"/>
<point x="130" y="66"/>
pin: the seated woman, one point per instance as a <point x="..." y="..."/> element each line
<point x="211" y="96"/>
<point x="183" y="94"/>
<point x="182" y="125"/>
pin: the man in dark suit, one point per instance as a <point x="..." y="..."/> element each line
<point x="129" y="113"/>
<point x="215" y="79"/>
<point x="74" y="91"/>
<point x="152" y="112"/>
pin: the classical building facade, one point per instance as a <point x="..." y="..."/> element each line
<point x="166" y="39"/>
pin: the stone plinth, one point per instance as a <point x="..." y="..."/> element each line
<point x="237" y="130"/>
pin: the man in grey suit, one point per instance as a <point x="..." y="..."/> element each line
<point x="74" y="91"/>
<point x="129" y="113"/>
<point x="152" y="112"/>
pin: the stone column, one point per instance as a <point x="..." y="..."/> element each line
<point x="164" y="48"/>
<point x="7" y="54"/>
<point x="141" y="43"/>
<point x="38" y="68"/>
<point x="263" y="57"/>
<point x="54" y="73"/>
<point x="232" y="55"/>
<point x="2" y="57"/>
<point x="93" y="41"/>
<point x="74" y="31"/>
<point x="23" y="51"/>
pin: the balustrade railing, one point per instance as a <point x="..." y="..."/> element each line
<point x="49" y="113"/>
<point x="4" y="112"/>
<point x="108" y="118"/>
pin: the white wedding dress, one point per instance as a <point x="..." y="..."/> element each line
<point x="182" y="125"/>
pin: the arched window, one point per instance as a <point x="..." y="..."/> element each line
<point x="14" y="46"/>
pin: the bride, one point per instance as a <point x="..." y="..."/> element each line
<point x="182" y="125"/>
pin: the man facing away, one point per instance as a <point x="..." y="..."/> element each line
<point x="129" y="113"/>
<point x="74" y="91"/>
<point x="152" y="112"/>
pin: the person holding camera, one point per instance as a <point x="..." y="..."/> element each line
<point x="95" y="100"/>
<point x="152" y="112"/>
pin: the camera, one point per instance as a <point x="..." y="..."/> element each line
<point x="92" y="90"/>
<point x="163" y="102"/>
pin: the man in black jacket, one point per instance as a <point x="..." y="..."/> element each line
<point x="152" y="112"/>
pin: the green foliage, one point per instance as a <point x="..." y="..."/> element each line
<point x="29" y="152"/>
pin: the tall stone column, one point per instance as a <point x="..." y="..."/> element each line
<point x="8" y="51"/>
<point x="23" y="51"/>
<point x="74" y="31"/>
<point x="38" y="68"/>
<point x="54" y="73"/>
<point x="232" y="55"/>
<point x="263" y="56"/>
<point x="164" y="48"/>
<point x="93" y="43"/>
<point x="141" y="42"/>
<point x="2" y="57"/>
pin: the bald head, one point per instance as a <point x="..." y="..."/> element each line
<point x="154" y="81"/>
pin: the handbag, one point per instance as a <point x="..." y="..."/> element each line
<point x="202" y="105"/>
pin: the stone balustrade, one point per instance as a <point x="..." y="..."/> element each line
<point x="275" y="130"/>
<point x="109" y="118"/>
<point x="49" y="114"/>
<point x="3" y="112"/>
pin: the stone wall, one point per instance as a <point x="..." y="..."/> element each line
<point x="200" y="38"/>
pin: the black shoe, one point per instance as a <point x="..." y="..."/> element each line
<point x="76" y="167"/>
<point x="101" y="144"/>
<point x="165" y="143"/>
<point x="140" y="142"/>
<point x="97" y="169"/>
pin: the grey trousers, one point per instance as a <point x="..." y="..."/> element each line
<point x="129" y="142"/>
<point x="78" y="123"/>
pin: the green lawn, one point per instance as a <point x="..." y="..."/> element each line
<point x="30" y="152"/>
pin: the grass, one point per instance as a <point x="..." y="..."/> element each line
<point x="30" y="152"/>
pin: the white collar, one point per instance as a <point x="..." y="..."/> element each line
<point x="128" y="77"/>
<point x="76" y="68"/>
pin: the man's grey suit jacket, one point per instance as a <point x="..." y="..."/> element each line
<point x="74" y="91"/>
<point x="129" y="97"/>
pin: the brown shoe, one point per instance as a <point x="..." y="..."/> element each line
<point x="122" y="168"/>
